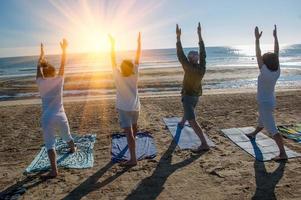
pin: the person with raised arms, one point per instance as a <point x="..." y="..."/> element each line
<point x="194" y="70"/>
<point x="269" y="68"/>
<point x="127" y="98"/>
<point x="54" y="118"/>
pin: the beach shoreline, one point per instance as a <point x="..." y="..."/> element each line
<point x="150" y="80"/>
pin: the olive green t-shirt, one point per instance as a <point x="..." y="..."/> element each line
<point x="193" y="73"/>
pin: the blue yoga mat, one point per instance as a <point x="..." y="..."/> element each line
<point x="82" y="158"/>
<point x="145" y="147"/>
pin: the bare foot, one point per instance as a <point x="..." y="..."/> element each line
<point x="201" y="148"/>
<point x="280" y="158"/>
<point x="130" y="163"/>
<point x="52" y="174"/>
<point x="72" y="146"/>
<point x="73" y="149"/>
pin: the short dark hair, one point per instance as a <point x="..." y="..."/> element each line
<point x="271" y="60"/>
<point x="48" y="69"/>
<point x="127" y="67"/>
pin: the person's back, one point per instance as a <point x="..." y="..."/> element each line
<point x="192" y="81"/>
<point x="266" y="84"/>
<point x="51" y="90"/>
<point x="127" y="97"/>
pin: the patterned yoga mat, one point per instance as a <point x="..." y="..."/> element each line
<point x="82" y="158"/>
<point x="292" y="132"/>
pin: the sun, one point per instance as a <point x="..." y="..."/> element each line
<point x="92" y="39"/>
<point x="86" y="24"/>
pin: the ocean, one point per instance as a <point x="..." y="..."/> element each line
<point x="218" y="60"/>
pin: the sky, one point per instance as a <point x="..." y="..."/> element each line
<point x="24" y="24"/>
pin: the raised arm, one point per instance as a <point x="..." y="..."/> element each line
<point x="257" y="47"/>
<point x="113" y="54"/>
<point x="41" y="59"/>
<point x="202" y="50"/>
<point x="180" y="53"/>
<point x="64" y="45"/>
<point x="276" y="44"/>
<point x="138" y="53"/>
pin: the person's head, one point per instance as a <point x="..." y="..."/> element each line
<point x="127" y="67"/>
<point x="271" y="60"/>
<point x="48" y="70"/>
<point x="193" y="57"/>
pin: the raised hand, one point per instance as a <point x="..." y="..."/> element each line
<point x="139" y="38"/>
<point x="199" y="29"/>
<point x="113" y="54"/>
<point x="257" y="34"/>
<point x="275" y="31"/>
<point x="112" y="40"/>
<point x="138" y="53"/>
<point x="276" y="43"/>
<point x="42" y="53"/>
<point x="178" y="31"/>
<point x="64" y="44"/>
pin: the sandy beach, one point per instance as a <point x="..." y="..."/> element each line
<point x="222" y="173"/>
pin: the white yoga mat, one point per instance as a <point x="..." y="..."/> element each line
<point x="186" y="138"/>
<point x="263" y="148"/>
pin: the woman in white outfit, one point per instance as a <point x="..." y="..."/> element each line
<point x="53" y="116"/>
<point x="268" y="76"/>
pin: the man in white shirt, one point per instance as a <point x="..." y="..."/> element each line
<point x="269" y="73"/>
<point x="53" y="116"/>
<point x="127" y="98"/>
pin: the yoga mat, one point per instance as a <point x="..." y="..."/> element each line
<point x="145" y="147"/>
<point x="263" y="148"/>
<point x="292" y="132"/>
<point x="185" y="137"/>
<point x="82" y="158"/>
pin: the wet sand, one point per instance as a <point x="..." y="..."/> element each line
<point x="150" y="80"/>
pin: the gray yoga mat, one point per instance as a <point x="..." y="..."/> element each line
<point x="263" y="148"/>
<point x="185" y="137"/>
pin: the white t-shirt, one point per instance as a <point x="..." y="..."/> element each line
<point x="266" y="84"/>
<point x="51" y="91"/>
<point x="127" y="97"/>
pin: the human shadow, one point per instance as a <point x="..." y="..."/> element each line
<point x="17" y="190"/>
<point x="153" y="185"/>
<point x="92" y="184"/>
<point x="265" y="181"/>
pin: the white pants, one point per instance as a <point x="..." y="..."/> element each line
<point x="53" y="123"/>
<point x="266" y="118"/>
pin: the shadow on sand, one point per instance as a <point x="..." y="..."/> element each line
<point x="17" y="190"/>
<point x="92" y="184"/>
<point x="265" y="181"/>
<point x="152" y="186"/>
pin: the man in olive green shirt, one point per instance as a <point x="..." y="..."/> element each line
<point x="194" y="69"/>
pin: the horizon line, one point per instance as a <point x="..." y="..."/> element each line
<point x="164" y="48"/>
